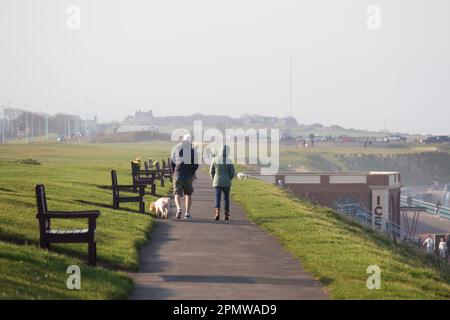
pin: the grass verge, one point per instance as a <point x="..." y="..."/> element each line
<point x="28" y="272"/>
<point x="77" y="177"/>
<point x="338" y="252"/>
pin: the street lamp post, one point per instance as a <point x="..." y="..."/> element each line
<point x="46" y="123"/>
<point x="92" y="126"/>
<point x="3" y="125"/>
<point x="32" y="126"/>
<point x="26" y="126"/>
<point x="68" y="119"/>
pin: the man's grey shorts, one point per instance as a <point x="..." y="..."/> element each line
<point x="183" y="186"/>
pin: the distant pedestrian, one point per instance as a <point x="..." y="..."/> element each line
<point x="409" y="200"/>
<point x="447" y="240"/>
<point x="429" y="243"/>
<point x="438" y="207"/>
<point x="443" y="248"/>
<point x="222" y="172"/>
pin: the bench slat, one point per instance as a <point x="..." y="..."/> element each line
<point x="67" y="231"/>
<point x="129" y="199"/>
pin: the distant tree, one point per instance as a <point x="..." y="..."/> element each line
<point x="289" y="121"/>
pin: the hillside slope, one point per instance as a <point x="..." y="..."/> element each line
<point x="338" y="252"/>
<point x="77" y="177"/>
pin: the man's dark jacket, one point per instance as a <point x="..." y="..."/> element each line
<point x="180" y="169"/>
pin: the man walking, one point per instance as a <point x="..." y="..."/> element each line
<point x="429" y="244"/>
<point x="184" y="165"/>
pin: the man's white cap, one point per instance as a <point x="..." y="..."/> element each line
<point x="187" y="137"/>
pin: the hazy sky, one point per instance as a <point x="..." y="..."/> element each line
<point x="231" y="57"/>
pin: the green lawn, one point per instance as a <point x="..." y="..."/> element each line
<point x="76" y="176"/>
<point x="27" y="272"/>
<point x="338" y="252"/>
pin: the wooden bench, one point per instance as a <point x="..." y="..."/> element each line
<point x="142" y="177"/>
<point x="154" y="170"/>
<point x="117" y="198"/>
<point x="49" y="235"/>
<point x="159" y="174"/>
<point x="167" y="169"/>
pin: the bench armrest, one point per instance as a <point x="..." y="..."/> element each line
<point x="71" y="214"/>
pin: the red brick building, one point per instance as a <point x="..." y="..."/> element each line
<point x="378" y="192"/>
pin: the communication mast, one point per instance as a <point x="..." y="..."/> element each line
<point x="290" y="84"/>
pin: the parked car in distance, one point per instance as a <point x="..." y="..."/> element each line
<point x="437" y="139"/>
<point x="395" y="138"/>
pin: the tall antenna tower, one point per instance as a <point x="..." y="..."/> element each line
<point x="290" y="84"/>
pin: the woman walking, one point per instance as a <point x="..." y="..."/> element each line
<point x="222" y="172"/>
<point x="443" y="248"/>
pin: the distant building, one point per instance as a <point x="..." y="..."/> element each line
<point x="136" y="128"/>
<point x="143" y="117"/>
<point x="376" y="192"/>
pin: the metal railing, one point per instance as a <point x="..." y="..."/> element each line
<point x="443" y="212"/>
<point x="364" y="217"/>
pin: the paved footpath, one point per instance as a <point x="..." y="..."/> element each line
<point x="206" y="259"/>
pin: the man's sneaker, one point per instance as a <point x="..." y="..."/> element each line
<point x="187" y="216"/>
<point x="178" y="216"/>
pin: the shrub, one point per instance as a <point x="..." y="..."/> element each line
<point x="28" y="161"/>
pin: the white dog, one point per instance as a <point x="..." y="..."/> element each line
<point x="242" y="175"/>
<point x="161" y="207"/>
